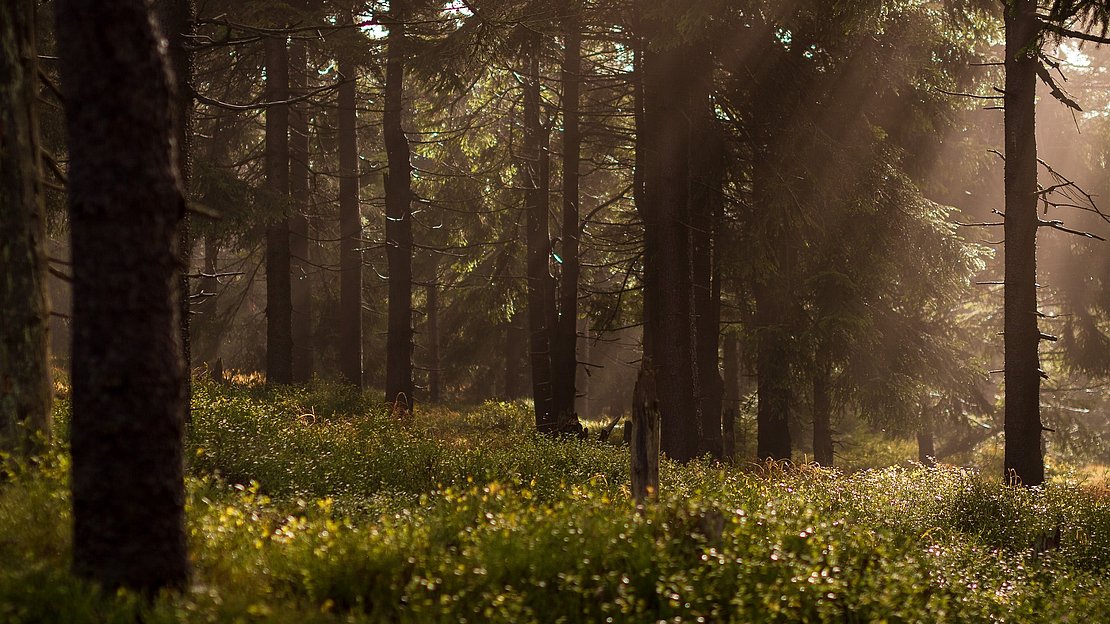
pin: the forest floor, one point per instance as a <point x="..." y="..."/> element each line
<point x="315" y="504"/>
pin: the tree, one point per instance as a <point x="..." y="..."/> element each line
<point x="398" y="215"/>
<point x="350" y="228"/>
<point x="279" y="294"/>
<point x="24" y="354"/>
<point x="125" y="209"/>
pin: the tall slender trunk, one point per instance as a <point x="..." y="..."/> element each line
<point x="398" y="218"/>
<point x="279" y="304"/>
<point x="24" y="340"/>
<point x="516" y="344"/>
<point x="822" y="408"/>
<point x="564" y="361"/>
<point x="299" y="179"/>
<point x="926" y="447"/>
<point x="1024" y="461"/>
<point x="541" y="285"/>
<point x="125" y="207"/>
<point x="350" y="232"/>
<point x="176" y="20"/>
<point x="731" y="399"/>
<point x="435" y="387"/>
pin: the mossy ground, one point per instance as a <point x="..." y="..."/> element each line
<point x="315" y="504"/>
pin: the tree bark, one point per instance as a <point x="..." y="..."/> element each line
<point x="435" y="387"/>
<point x="541" y="285"/>
<point x="125" y="206"/>
<point x="646" y="440"/>
<point x="1024" y="462"/>
<point x="731" y="398"/>
<point x="564" y="361"/>
<point x="822" y="408"/>
<point x="279" y="303"/>
<point x="516" y="339"/>
<point x="398" y="224"/>
<point x="350" y="233"/>
<point x="25" y="379"/>
<point x="299" y="180"/>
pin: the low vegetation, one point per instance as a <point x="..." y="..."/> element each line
<point x="315" y="504"/>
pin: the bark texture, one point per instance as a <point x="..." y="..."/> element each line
<point x="279" y="303"/>
<point x="299" y="179"/>
<point x="1024" y="460"/>
<point x="125" y="206"/>
<point x="25" y="383"/>
<point x="350" y="233"/>
<point x="398" y="217"/>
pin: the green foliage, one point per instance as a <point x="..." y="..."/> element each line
<point x="330" y="510"/>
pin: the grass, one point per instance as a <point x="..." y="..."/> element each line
<point x="316" y="505"/>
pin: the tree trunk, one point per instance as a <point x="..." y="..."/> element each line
<point x="398" y="221"/>
<point x="822" y="408"/>
<point x="125" y="206"/>
<point x="24" y="341"/>
<point x="646" y="433"/>
<point x="731" y="399"/>
<point x="435" y="388"/>
<point x="774" y="341"/>
<point x="350" y="233"/>
<point x="299" y="179"/>
<point x="279" y="304"/>
<point x="541" y="285"/>
<point x="926" y="449"/>
<point x="1024" y="462"/>
<point x="516" y="344"/>
<point x="564" y="361"/>
<point x="177" y="22"/>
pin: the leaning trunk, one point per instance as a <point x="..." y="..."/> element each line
<point x="279" y="304"/>
<point x="24" y="352"/>
<point x="125" y="207"/>
<point x="398" y="220"/>
<point x="1024" y="462"/>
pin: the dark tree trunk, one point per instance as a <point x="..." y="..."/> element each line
<point x="350" y="233"/>
<point x="24" y="341"/>
<point x="822" y="408"/>
<point x="125" y="206"/>
<point x="926" y="448"/>
<point x="516" y="346"/>
<point x="706" y="209"/>
<point x="1024" y="461"/>
<point x="774" y="346"/>
<point x="398" y="218"/>
<point x="541" y="285"/>
<point x="299" y="179"/>
<point x="564" y="360"/>
<point x="731" y="399"/>
<point x="176" y="20"/>
<point x="435" y="387"/>
<point x="279" y="304"/>
<point x="671" y="108"/>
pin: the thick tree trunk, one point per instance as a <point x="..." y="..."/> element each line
<point x="398" y="219"/>
<point x="299" y="180"/>
<point x="279" y="304"/>
<point x="822" y="409"/>
<point x="564" y="361"/>
<point x="176" y="20"/>
<point x="350" y="233"/>
<point x="1024" y="461"/>
<point x="541" y="285"/>
<point x="126" y="204"/>
<point x="516" y="346"/>
<point x="669" y="298"/>
<point x="24" y="352"/>
<point x="435" y="386"/>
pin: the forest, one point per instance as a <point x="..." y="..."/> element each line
<point x="554" y="311"/>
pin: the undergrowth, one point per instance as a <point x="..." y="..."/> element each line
<point x="316" y="505"/>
